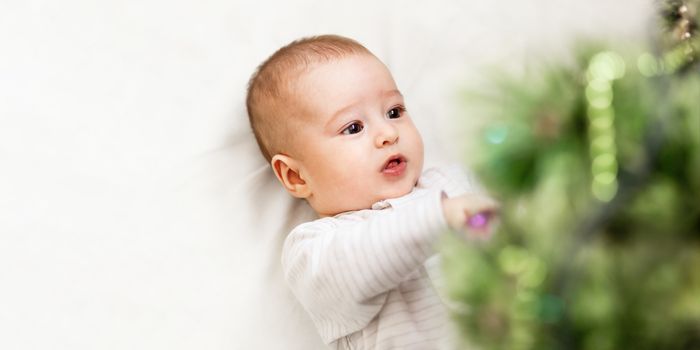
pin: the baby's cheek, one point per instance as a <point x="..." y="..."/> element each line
<point x="359" y="192"/>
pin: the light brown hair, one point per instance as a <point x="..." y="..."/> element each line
<point x="271" y="101"/>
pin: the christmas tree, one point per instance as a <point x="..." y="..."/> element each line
<point x="597" y="168"/>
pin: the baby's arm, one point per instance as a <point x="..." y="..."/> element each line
<point x="341" y="270"/>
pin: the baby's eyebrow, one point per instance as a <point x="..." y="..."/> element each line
<point x="392" y="92"/>
<point x="340" y="112"/>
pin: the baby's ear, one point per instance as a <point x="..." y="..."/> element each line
<point x="287" y="171"/>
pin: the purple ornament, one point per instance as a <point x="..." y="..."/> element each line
<point x="479" y="221"/>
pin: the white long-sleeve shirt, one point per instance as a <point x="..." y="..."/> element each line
<point x="368" y="278"/>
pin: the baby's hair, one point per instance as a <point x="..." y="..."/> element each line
<point x="270" y="98"/>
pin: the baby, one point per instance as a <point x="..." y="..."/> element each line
<point x="329" y="118"/>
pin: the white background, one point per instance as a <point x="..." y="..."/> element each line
<point x="124" y="147"/>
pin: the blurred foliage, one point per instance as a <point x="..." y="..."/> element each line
<point x="597" y="167"/>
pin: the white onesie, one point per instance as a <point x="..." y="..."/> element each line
<point x="368" y="278"/>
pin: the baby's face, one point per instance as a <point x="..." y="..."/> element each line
<point x="357" y="144"/>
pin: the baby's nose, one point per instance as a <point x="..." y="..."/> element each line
<point x="387" y="135"/>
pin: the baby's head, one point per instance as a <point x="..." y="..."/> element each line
<point x="329" y="118"/>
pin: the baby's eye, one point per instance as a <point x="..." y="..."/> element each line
<point x="353" y="128"/>
<point x="395" y="112"/>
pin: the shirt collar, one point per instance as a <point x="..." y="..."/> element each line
<point x="399" y="201"/>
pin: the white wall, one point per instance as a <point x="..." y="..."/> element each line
<point x="124" y="146"/>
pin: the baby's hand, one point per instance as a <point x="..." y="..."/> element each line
<point x="473" y="214"/>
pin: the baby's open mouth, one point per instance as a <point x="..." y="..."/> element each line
<point x="395" y="165"/>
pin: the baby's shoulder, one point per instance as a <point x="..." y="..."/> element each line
<point x="331" y="222"/>
<point x="315" y="225"/>
<point x="313" y="234"/>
